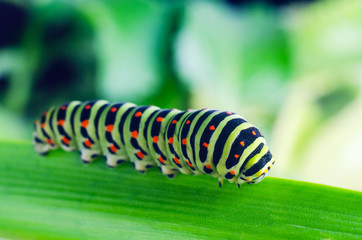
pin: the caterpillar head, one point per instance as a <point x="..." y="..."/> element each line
<point x="258" y="169"/>
<point x="41" y="140"/>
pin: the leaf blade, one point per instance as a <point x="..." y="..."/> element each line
<point x="58" y="197"/>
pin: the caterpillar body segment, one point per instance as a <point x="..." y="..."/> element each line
<point x="63" y="127"/>
<point x="217" y="143"/>
<point x="157" y="141"/>
<point x="86" y="129"/>
<point x="111" y="135"/>
<point x="135" y="132"/>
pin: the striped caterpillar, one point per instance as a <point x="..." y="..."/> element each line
<point x="218" y="143"/>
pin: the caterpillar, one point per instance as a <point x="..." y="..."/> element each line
<point x="218" y="143"/>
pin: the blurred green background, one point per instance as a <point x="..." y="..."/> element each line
<point x="292" y="68"/>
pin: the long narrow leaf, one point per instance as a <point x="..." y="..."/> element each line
<point x="57" y="197"/>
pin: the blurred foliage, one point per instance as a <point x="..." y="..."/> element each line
<point x="291" y="67"/>
<point x="54" y="57"/>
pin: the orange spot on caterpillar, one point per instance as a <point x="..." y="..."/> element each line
<point x="49" y="141"/>
<point x="87" y="143"/>
<point x="87" y="107"/>
<point x="208" y="166"/>
<point x="63" y="107"/>
<point x="45" y="113"/>
<point x="109" y="128"/>
<point x="232" y="172"/>
<point x="188" y="122"/>
<point x="236" y="155"/>
<point x="113" y="148"/>
<point x="138" y="114"/>
<point x="170" y="140"/>
<point x="134" y="134"/>
<point x="176" y="160"/>
<point x="212" y="127"/>
<point x="61" y="122"/>
<point x="188" y="163"/>
<point x="42" y="125"/>
<point x="242" y="143"/>
<point x="155" y="139"/>
<point x="205" y="144"/>
<point x="174" y="122"/>
<point x="253" y="132"/>
<point x="140" y="154"/>
<point x="84" y="123"/>
<point x="65" y="140"/>
<point x="161" y="159"/>
<point x="113" y="109"/>
<point x="159" y="119"/>
<point x="184" y="141"/>
<point x="228" y="113"/>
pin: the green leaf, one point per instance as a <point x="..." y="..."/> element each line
<point x="57" y="197"/>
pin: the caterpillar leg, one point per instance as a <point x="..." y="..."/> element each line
<point x="115" y="160"/>
<point x="170" y="172"/>
<point x="42" y="150"/>
<point x="88" y="156"/>
<point x="143" y="166"/>
<point x="69" y="149"/>
<point x="220" y="181"/>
